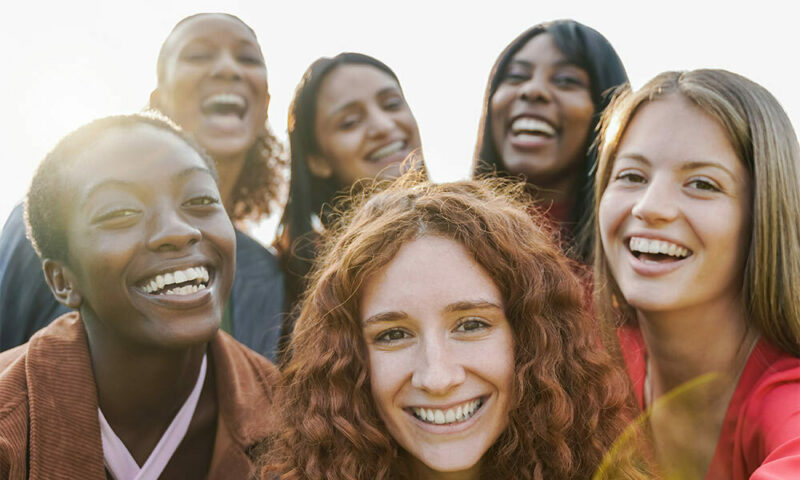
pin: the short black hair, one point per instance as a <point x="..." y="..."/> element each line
<point x="45" y="203"/>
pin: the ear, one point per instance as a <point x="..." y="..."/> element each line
<point x="319" y="166"/>
<point x="155" y="99"/>
<point x="62" y="283"/>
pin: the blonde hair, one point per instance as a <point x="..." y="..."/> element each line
<point x="764" y="140"/>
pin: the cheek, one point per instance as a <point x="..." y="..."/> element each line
<point x="610" y="213"/>
<point x="387" y="371"/>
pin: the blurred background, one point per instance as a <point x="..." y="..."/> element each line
<point x="65" y="63"/>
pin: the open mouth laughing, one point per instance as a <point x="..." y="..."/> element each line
<point x="657" y="251"/>
<point x="178" y="282"/>
<point x="453" y="415"/>
<point x="225" y="104"/>
<point x="388" y="150"/>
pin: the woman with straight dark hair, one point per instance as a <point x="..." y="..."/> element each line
<point x="545" y="94"/>
<point x="348" y="121"/>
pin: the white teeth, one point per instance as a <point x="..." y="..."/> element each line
<point x="390" y="149"/>
<point x="226" y="99"/>
<point x="178" y="276"/>
<point x="451" y="415"/>
<point x="532" y="125"/>
<point x="646" y="245"/>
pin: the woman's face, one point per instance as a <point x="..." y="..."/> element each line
<point x="675" y="217"/>
<point x="364" y="128"/>
<point x="441" y="354"/>
<point x="150" y="247"/>
<point x="541" y="113"/>
<point x="214" y="85"/>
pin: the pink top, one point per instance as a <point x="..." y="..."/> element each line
<point x="760" y="436"/>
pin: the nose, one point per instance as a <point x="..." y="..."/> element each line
<point x="657" y="203"/>
<point x="380" y="123"/>
<point x="438" y="370"/>
<point x="169" y="231"/>
<point x="535" y="89"/>
<point x="226" y="66"/>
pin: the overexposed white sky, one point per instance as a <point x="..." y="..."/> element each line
<point x="65" y="63"/>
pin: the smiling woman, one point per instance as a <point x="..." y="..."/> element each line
<point x="127" y="217"/>
<point x="348" y="121"/>
<point x="543" y="100"/>
<point x="212" y="81"/>
<point x="699" y="254"/>
<point x="444" y="334"/>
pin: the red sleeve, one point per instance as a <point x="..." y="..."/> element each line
<point x="770" y="428"/>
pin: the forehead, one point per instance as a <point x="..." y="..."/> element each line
<point x="541" y="49"/>
<point x="656" y="124"/>
<point x="138" y="153"/>
<point x="427" y="274"/>
<point x="211" y="28"/>
<point x="352" y="82"/>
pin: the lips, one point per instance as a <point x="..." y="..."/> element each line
<point x="225" y="104"/>
<point x="183" y="281"/>
<point x="388" y="152"/>
<point x="457" y="414"/>
<point x="654" y="250"/>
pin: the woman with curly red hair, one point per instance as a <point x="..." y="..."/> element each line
<point x="443" y="333"/>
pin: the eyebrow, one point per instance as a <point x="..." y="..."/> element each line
<point x="462" y="306"/>
<point x="690" y="165"/>
<point x="383" y="91"/>
<point x="128" y="185"/>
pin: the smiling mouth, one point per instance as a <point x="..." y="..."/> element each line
<point x="657" y="251"/>
<point x="387" y="151"/>
<point x="178" y="282"/>
<point x="532" y="126"/>
<point x="225" y="104"/>
<point x="458" y="414"/>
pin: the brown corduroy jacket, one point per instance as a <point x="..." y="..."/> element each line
<point x="48" y="406"/>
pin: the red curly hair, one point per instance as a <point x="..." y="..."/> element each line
<point x="570" y="401"/>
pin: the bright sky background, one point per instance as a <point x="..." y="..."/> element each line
<point x="65" y="63"/>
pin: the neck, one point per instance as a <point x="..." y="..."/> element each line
<point x="140" y="390"/>
<point x="562" y="188"/>
<point x="229" y="169"/>
<point x="683" y="345"/>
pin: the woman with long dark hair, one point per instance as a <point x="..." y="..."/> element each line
<point x="545" y="94"/>
<point x="348" y="121"/>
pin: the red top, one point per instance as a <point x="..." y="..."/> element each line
<point x="760" y="436"/>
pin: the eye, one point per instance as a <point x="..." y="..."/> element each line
<point x="392" y="335"/>
<point x="704" y="184"/>
<point x="348" y="122"/>
<point x="515" y="76"/>
<point x="630" y="176"/>
<point x="471" y="324"/>
<point x="116" y="217"/>
<point x="393" y="103"/>
<point x="201" y="201"/>
<point x="566" y="80"/>
<point x="251" y="59"/>
<point x="196" y="56"/>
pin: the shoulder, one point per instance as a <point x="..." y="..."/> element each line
<point x="769" y="421"/>
<point x="13" y="413"/>
<point x="244" y="364"/>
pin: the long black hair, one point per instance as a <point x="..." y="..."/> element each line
<point x="588" y="49"/>
<point x="308" y="193"/>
